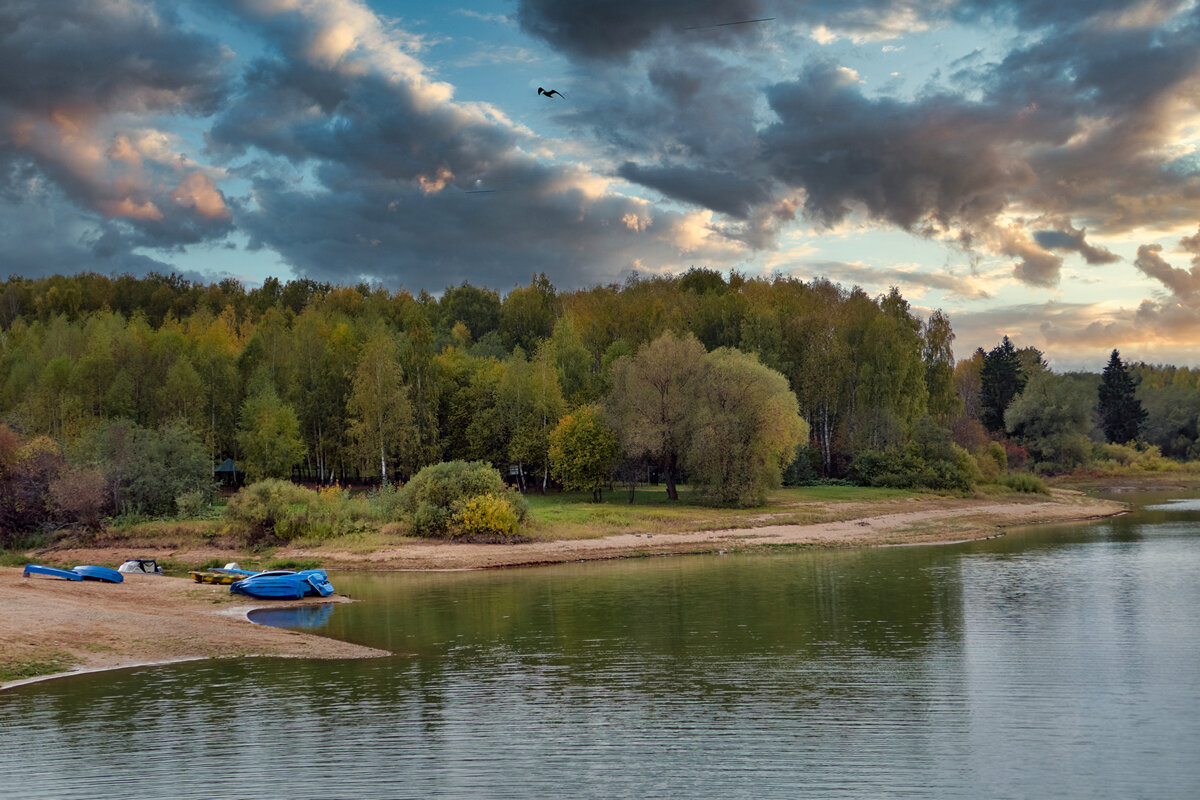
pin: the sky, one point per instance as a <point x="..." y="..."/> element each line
<point x="1030" y="167"/>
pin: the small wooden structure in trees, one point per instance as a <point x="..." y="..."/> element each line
<point x="228" y="474"/>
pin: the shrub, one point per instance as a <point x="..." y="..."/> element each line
<point x="1015" y="455"/>
<point x="999" y="456"/>
<point x="803" y="469"/>
<point x="436" y="497"/>
<point x="27" y="470"/>
<point x="906" y="467"/>
<point x="148" y="469"/>
<point x="1024" y="482"/>
<point x="488" y="516"/>
<point x="192" y="503"/>
<point x="271" y="508"/>
<point x="79" y="496"/>
<point x="385" y="503"/>
<point x="988" y="471"/>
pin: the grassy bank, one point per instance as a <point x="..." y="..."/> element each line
<point x="554" y="516"/>
<point x="564" y="519"/>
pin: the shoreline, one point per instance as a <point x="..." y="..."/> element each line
<point x="151" y="620"/>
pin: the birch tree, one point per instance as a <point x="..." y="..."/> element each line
<point x="380" y="412"/>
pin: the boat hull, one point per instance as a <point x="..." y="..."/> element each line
<point x="84" y="572"/>
<point x="54" y="572"/>
<point x="94" y="573"/>
<point x="284" y="585"/>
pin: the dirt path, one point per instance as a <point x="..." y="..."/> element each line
<point x="151" y="619"/>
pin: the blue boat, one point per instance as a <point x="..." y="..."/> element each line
<point x="85" y="572"/>
<point x="93" y="573"/>
<point x="54" y="572"/>
<point x="284" y="585"/>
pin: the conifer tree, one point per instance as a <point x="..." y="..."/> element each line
<point x="1001" y="380"/>
<point x="1121" y="412"/>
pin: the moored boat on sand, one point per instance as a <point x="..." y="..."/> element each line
<point x="84" y="572"/>
<point x="223" y="576"/>
<point x="53" y="572"/>
<point x="284" y="585"/>
<point x="145" y="565"/>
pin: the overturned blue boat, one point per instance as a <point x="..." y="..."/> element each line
<point x="284" y="585"/>
<point x="84" y="572"/>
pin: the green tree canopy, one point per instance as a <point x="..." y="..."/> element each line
<point x="1052" y="419"/>
<point x="584" y="450"/>
<point x="269" y="435"/>
<point x="745" y="429"/>
<point x="650" y="403"/>
<point x="380" y="411"/>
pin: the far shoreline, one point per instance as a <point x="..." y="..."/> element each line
<point x="84" y="627"/>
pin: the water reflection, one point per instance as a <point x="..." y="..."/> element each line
<point x="1177" y="504"/>
<point x="1055" y="662"/>
<point x="293" y="616"/>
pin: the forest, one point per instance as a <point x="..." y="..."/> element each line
<point x="138" y="387"/>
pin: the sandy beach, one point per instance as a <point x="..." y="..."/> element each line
<point x="152" y="619"/>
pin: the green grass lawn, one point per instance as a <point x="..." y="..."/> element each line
<point x="573" y="515"/>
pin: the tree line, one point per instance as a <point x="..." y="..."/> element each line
<point x="296" y="374"/>
<point x="331" y="383"/>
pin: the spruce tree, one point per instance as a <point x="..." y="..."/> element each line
<point x="1121" y="412"/>
<point x="1001" y="379"/>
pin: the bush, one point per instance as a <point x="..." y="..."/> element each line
<point x="27" y="470"/>
<point x="148" y="469"/>
<point x="191" y="504"/>
<point x="448" y="498"/>
<point x="998" y="455"/>
<point x="488" y="516"/>
<point x="271" y="508"/>
<point x="803" y="469"/>
<point x="1024" y="482"/>
<point x="987" y="469"/>
<point x="385" y="503"/>
<point x="79" y="496"/>
<point x="907" y="468"/>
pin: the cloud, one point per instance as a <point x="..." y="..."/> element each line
<point x="1162" y="329"/>
<point x="399" y="236"/>
<point x="1184" y="285"/>
<point x="907" y="279"/>
<point x="336" y="143"/>
<point x="380" y="158"/>
<point x="603" y="29"/>
<point x="78" y="81"/>
<point x="1072" y="240"/>
<point x="1060" y="128"/>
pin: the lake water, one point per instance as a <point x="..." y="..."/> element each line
<point x="1053" y="663"/>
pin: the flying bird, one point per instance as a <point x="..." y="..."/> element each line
<point x="550" y="93"/>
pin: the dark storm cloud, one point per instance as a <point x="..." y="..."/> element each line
<point x="40" y="238"/>
<point x="381" y="159"/>
<point x="106" y="55"/>
<point x="1075" y="123"/>
<point x="603" y="29"/>
<point x="79" y="83"/>
<point x="726" y="192"/>
<point x="403" y="237"/>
